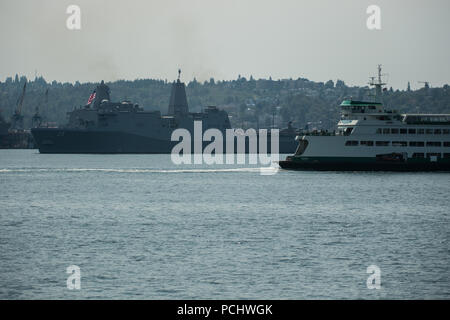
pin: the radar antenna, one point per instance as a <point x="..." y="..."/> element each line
<point x="378" y="84"/>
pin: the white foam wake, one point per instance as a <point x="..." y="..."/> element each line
<point x="140" y="170"/>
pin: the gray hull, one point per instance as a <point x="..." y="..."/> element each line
<point x="54" y="140"/>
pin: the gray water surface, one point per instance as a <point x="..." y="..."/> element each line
<point x="140" y="227"/>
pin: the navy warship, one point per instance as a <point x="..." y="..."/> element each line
<point x="102" y="126"/>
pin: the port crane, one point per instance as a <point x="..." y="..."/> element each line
<point x="17" y="118"/>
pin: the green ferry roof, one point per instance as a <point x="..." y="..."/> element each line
<point x="346" y="103"/>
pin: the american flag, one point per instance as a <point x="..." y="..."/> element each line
<point x="91" y="97"/>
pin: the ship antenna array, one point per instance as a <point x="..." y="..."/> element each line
<point x="378" y="84"/>
<point x="379" y="81"/>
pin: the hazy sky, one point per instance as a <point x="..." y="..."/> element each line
<point x="318" y="40"/>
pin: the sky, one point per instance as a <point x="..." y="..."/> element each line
<point x="318" y="40"/>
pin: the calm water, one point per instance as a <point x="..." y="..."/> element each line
<point x="140" y="227"/>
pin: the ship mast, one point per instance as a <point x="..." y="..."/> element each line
<point x="178" y="102"/>
<point x="378" y="84"/>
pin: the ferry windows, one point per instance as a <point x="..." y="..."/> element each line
<point x="382" y="143"/>
<point x="433" y="144"/>
<point x="425" y="119"/>
<point x="446" y="131"/>
<point x="429" y="131"/>
<point x="420" y="131"/>
<point x="411" y="131"/>
<point x="403" y="131"/>
<point x="394" y="131"/>
<point x="386" y="131"/>
<point x="379" y="130"/>
<point x="399" y="144"/>
<point x="416" y="144"/>
<point x="446" y="155"/>
<point x="351" y="143"/>
<point x="446" y="143"/>
<point x="418" y="155"/>
<point x="367" y="143"/>
<point x="437" y="131"/>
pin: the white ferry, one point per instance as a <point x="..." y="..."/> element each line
<point x="370" y="138"/>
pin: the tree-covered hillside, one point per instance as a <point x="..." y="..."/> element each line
<point x="249" y="102"/>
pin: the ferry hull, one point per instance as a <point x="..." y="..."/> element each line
<point x="365" y="165"/>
